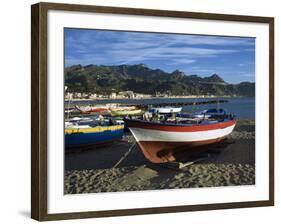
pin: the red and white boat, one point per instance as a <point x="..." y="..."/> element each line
<point x="92" y="109"/>
<point x="159" y="141"/>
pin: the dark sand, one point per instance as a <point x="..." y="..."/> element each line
<point x="94" y="170"/>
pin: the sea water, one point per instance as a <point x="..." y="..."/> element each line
<point x="242" y="107"/>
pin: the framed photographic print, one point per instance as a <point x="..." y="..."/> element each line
<point x="138" y="111"/>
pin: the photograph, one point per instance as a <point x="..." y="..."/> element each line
<point x="138" y="111"/>
<point x="157" y="111"/>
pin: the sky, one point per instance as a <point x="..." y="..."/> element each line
<point x="232" y="58"/>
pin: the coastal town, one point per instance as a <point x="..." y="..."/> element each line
<point x="113" y="95"/>
<point x="131" y="95"/>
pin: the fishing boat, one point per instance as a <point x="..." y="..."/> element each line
<point x="92" y="109"/>
<point x="193" y="115"/>
<point x="116" y="113"/>
<point x="86" y="132"/>
<point x="122" y="108"/>
<point x="165" y="110"/>
<point x="210" y="113"/>
<point x="161" y="140"/>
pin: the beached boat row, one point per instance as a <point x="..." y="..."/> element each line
<point x="122" y="110"/>
<point x="89" y="131"/>
<point x="114" y="110"/>
<point x="159" y="132"/>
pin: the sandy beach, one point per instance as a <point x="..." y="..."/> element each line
<point x="98" y="169"/>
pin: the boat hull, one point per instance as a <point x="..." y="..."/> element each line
<point x="93" y="111"/>
<point x="97" y="110"/>
<point x="89" y="110"/>
<point x="159" y="143"/>
<point x="75" y="138"/>
<point x="125" y="112"/>
<point x="164" y="110"/>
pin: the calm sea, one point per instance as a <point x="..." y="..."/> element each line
<point x="242" y="107"/>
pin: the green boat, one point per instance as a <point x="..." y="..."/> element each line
<point x="125" y="112"/>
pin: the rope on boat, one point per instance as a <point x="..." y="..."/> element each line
<point x="124" y="156"/>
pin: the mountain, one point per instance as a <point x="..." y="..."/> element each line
<point x="139" y="78"/>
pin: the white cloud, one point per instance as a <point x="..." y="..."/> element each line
<point x="182" y="61"/>
<point x="102" y="47"/>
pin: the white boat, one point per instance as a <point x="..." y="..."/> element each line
<point x="165" y="110"/>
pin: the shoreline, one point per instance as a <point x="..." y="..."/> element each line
<point x="232" y="163"/>
<point x="156" y="98"/>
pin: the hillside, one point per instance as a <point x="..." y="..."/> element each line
<point x="141" y="79"/>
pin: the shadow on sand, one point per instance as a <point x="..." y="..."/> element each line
<point x="106" y="156"/>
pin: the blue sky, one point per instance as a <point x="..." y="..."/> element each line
<point x="233" y="58"/>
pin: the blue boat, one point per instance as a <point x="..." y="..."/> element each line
<point x="210" y="113"/>
<point x="92" y="132"/>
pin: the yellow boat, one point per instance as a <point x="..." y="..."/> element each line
<point x="125" y="112"/>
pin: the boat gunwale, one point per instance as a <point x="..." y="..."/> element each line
<point x="95" y="129"/>
<point x="177" y="124"/>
